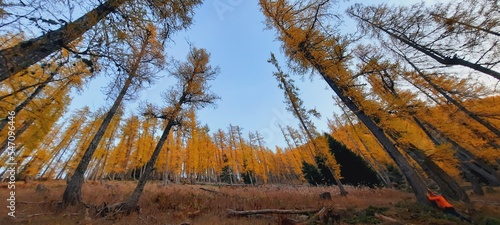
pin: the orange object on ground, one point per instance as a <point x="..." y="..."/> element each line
<point x="440" y="201"/>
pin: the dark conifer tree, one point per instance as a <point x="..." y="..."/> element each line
<point x="312" y="174"/>
<point x="326" y="174"/>
<point x="354" y="170"/>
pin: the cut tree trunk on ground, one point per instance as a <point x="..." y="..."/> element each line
<point x="232" y="212"/>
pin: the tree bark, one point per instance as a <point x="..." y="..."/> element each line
<point x="132" y="200"/>
<point x="73" y="192"/>
<point x="413" y="177"/>
<point x="381" y="172"/>
<point x="25" y="125"/>
<point x="449" y="61"/>
<point x="23" y="104"/>
<point x="476" y="187"/>
<point x="462" y="108"/>
<point x="21" y="56"/>
<point x="449" y="187"/>
<point x="467" y="158"/>
<point x="305" y="54"/>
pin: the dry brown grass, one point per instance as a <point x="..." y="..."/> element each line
<point x="175" y="204"/>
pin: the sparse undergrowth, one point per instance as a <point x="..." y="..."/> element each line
<point x="195" y="204"/>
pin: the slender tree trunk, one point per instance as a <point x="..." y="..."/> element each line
<point x="49" y="164"/>
<point x="468" y="25"/>
<point x="63" y="149"/>
<point x="21" y="56"/>
<point x="295" y="107"/>
<point x="449" y="61"/>
<point x="472" y="115"/>
<point x="476" y="187"/>
<point x="27" y="101"/>
<point x="61" y="172"/>
<point x="18" y="133"/>
<point x="132" y="200"/>
<point x="166" y="164"/>
<point x="447" y="184"/>
<point x="468" y="159"/>
<point x="418" y="185"/>
<point x="73" y="192"/>
<point x="449" y="187"/>
<point x="376" y="164"/>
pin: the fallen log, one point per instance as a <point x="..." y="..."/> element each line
<point x="212" y="191"/>
<point x="232" y="212"/>
<point x="390" y="219"/>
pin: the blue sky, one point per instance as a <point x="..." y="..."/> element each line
<point x="234" y="33"/>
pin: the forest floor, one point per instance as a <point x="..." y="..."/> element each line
<point x="177" y="204"/>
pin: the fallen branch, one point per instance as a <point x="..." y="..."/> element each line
<point x="212" y="191"/>
<point x="315" y="217"/>
<point x="390" y="219"/>
<point x="232" y="212"/>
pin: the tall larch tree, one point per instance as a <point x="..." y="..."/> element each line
<point x="120" y="163"/>
<point x="367" y="156"/>
<point x="136" y="66"/>
<point x="169" y="17"/>
<point x="451" y="94"/>
<point x="383" y="79"/>
<point x="85" y="135"/>
<point x="192" y="90"/>
<point x="310" y="44"/>
<point x="65" y="140"/>
<point x="434" y="31"/>
<point x="295" y="105"/>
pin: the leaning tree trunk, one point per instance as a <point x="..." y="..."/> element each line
<point x="414" y="179"/>
<point x="445" y="60"/>
<point x="24" y="126"/>
<point x="383" y="176"/>
<point x="467" y="158"/>
<point x="447" y="184"/>
<point x="462" y="108"/>
<point x="418" y="185"/>
<point x="296" y="110"/>
<point x="305" y="54"/>
<point x="73" y="192"/>
<point x="21" y="56"/>
<point x="23" y="104"/>
<point x="131" y="202"/>
<point x="476" y="187"/>
<point x="449" y="187"/>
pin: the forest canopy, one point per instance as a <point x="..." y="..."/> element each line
<point x="409" y="87"/>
